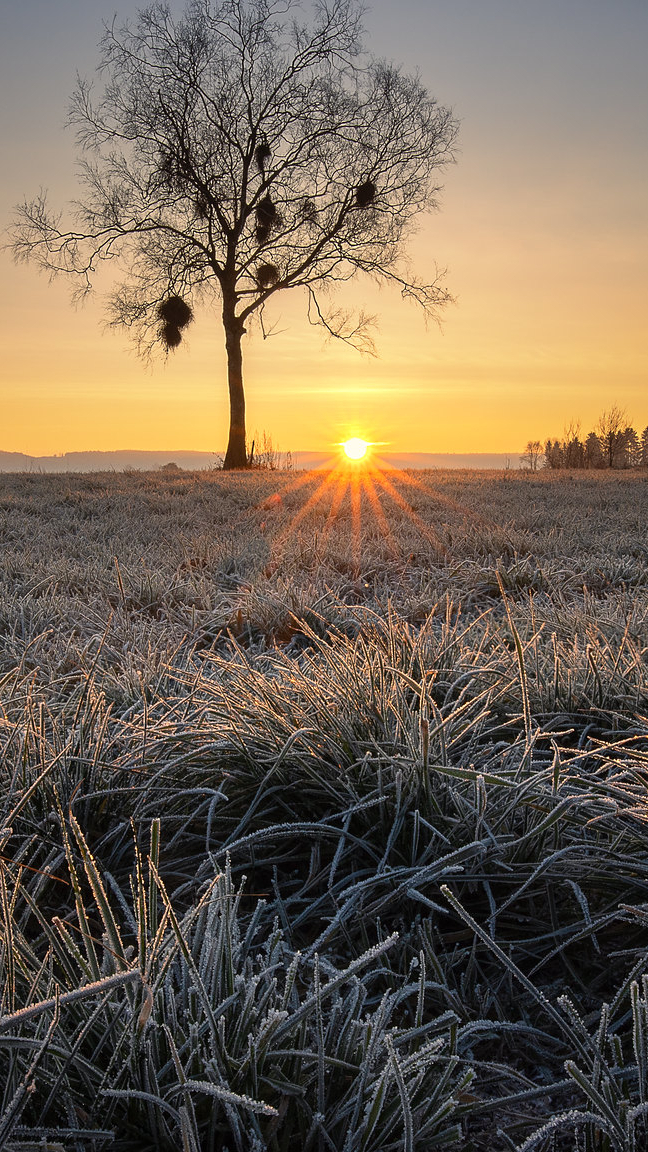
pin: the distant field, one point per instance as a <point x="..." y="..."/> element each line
<point x="324" y="816"/>
<point x="151" y="461"/>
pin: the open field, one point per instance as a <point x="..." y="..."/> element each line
<point x="325" y="826"/>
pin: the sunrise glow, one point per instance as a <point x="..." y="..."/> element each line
<point x="518" y="356"/>
<point x="355" y="448"/>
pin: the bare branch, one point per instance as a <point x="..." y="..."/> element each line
<point x="352" y="328"/>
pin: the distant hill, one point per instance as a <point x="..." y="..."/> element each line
<point x="105" y="461"/>
<point x="152" y="461"/>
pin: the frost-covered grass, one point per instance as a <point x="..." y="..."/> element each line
<point x="324" y="829"/>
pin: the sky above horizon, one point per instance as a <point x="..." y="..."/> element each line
<point x="543" y="229"/>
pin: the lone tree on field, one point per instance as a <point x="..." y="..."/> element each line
<point x="238" y="152"/>
<point x="532" y="455"/>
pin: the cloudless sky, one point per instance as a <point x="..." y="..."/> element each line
<point x="543" y="228"/>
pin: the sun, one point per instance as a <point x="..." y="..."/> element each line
<point x="355" y="448"/>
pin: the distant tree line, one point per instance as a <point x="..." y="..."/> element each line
<point x="613" y="443"/>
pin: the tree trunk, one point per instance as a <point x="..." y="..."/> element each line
<point x="236" y="455"/>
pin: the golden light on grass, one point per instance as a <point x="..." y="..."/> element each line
<point x="368" y="498"/>
<point x="355" y="448"/>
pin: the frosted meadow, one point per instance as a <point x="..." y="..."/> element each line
<point x="324" y="824"/>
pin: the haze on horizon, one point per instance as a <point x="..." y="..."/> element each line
<point x="543" y="229"/>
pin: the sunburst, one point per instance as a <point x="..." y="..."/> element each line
<point x="355" y="448"/>
<point x="370" y="489"/>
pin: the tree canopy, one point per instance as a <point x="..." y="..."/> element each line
<point x="239" y="151"/>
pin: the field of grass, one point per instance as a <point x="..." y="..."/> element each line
<point x="324" y="825"/>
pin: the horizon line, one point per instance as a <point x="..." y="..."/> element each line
<point x="219" y="452"/>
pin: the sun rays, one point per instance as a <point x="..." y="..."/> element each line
<point x="358" y="496"/>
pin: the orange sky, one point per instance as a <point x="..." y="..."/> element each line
<point x="543" y="228"/>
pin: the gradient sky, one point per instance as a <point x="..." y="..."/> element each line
<point x="543" y="229"/>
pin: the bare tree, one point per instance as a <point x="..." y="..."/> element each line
<point x="610" y="429"/>
<point x="239" y="152"/>
<point x="531" y="456"/>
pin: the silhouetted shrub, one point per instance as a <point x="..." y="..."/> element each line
<point x="267" y="274"/>
<point x="174" y="314"/>
<point x="365" y="194"/>
<point x="267" y="217"/>
<point x="170" y="336"/>
<point x="175" y="311"/>
<point x="262" y="155"/>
